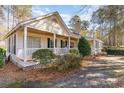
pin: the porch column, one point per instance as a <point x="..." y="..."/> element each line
<point x="94" y="46"/>
<point x="25" y="43"/>
<point x="94" y="43"/>
<point x="54" y="42"/>
<point x="99" y="46"/>
<point x="69" y="42"/>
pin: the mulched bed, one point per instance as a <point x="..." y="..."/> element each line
<point x="12" y="72"/>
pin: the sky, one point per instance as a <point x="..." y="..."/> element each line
<point x="65" y="11"/>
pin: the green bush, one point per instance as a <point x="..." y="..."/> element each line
<point x="58" y="63"/>
<point x="115" y="52"/>
<point x="2" y="56"/>
<point x="66" y="62"/>
<point x="74" y="51"/>
<point x="84" y="47"/>
<point x="43" y="55"/>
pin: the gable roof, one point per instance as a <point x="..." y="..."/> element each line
<point x="36" y="19"/>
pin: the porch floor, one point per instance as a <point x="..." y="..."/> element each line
<point x="24" y="65"/>
<point x="27" y="64"/>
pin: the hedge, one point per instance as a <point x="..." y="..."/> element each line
<point x="62" y="63"/>
<point x="2" y="56"/>
<point x="115" y="52"/>
<point x="43" y="55"/>
<point x="74" y="52"/>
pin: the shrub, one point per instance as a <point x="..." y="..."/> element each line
<point x="74" y="51"/>
<point x="2" y="56"/>
<point x="115" y="52"/>
<point x="43" y="55"/>
<point x="66" y="62"/>
<point x="84" y="47"/>
<point x="104" y="49"/>
<point x="58" y="63"/>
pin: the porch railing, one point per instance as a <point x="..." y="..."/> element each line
<point x="95" y="50"/>
<point x="57" y="51"/>
<point x="32" y="50"/>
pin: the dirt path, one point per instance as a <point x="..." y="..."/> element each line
<point x="104" y="72"/>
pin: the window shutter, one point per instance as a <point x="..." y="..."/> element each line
<point x="14" y="43"/>
<point x="9" y="44"/>
<point x="56" y="43"/>
<point x="48" y="42"/>
<point x="61" y="44"/>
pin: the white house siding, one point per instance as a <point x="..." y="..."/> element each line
<point x="51" y="24"/>
<point x="19" y="43"/>
<point x="10" y="44"/>
<point x="20" y="38"/>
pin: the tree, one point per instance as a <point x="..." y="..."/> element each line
<point x="98" y="17"/>
<point x="2" y="15"/>
<point x="84" y="47"/>
<point x="22" y="12"/>
<point x="109" y="18"/>
<point x="2" y="20"/>
<point x="15" y="14"/>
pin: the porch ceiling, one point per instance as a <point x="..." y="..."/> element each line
<point x="39" y="31"/>
<point x="33" y="30"/>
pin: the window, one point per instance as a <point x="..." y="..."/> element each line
<point x="56" y="43"/>
<point x="33" y="42"/>
<point x="61" y="44"/>
<point x="72" y="45"/>
<point x="14" y="44"/>
<point x="49" y="43"/>
<point x="64" y="44"/>
<point x="9" y="44"/>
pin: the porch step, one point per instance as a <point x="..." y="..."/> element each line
<point x="29" y="65"/>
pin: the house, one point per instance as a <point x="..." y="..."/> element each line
<point x="95" y="43"/>
<point x="44" y="32"/>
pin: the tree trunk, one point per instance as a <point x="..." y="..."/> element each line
<point x="8" y="15"/>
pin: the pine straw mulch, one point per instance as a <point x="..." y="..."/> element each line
<point x="12" y="72"/>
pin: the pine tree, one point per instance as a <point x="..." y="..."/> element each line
<point x="84" y="47"/>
